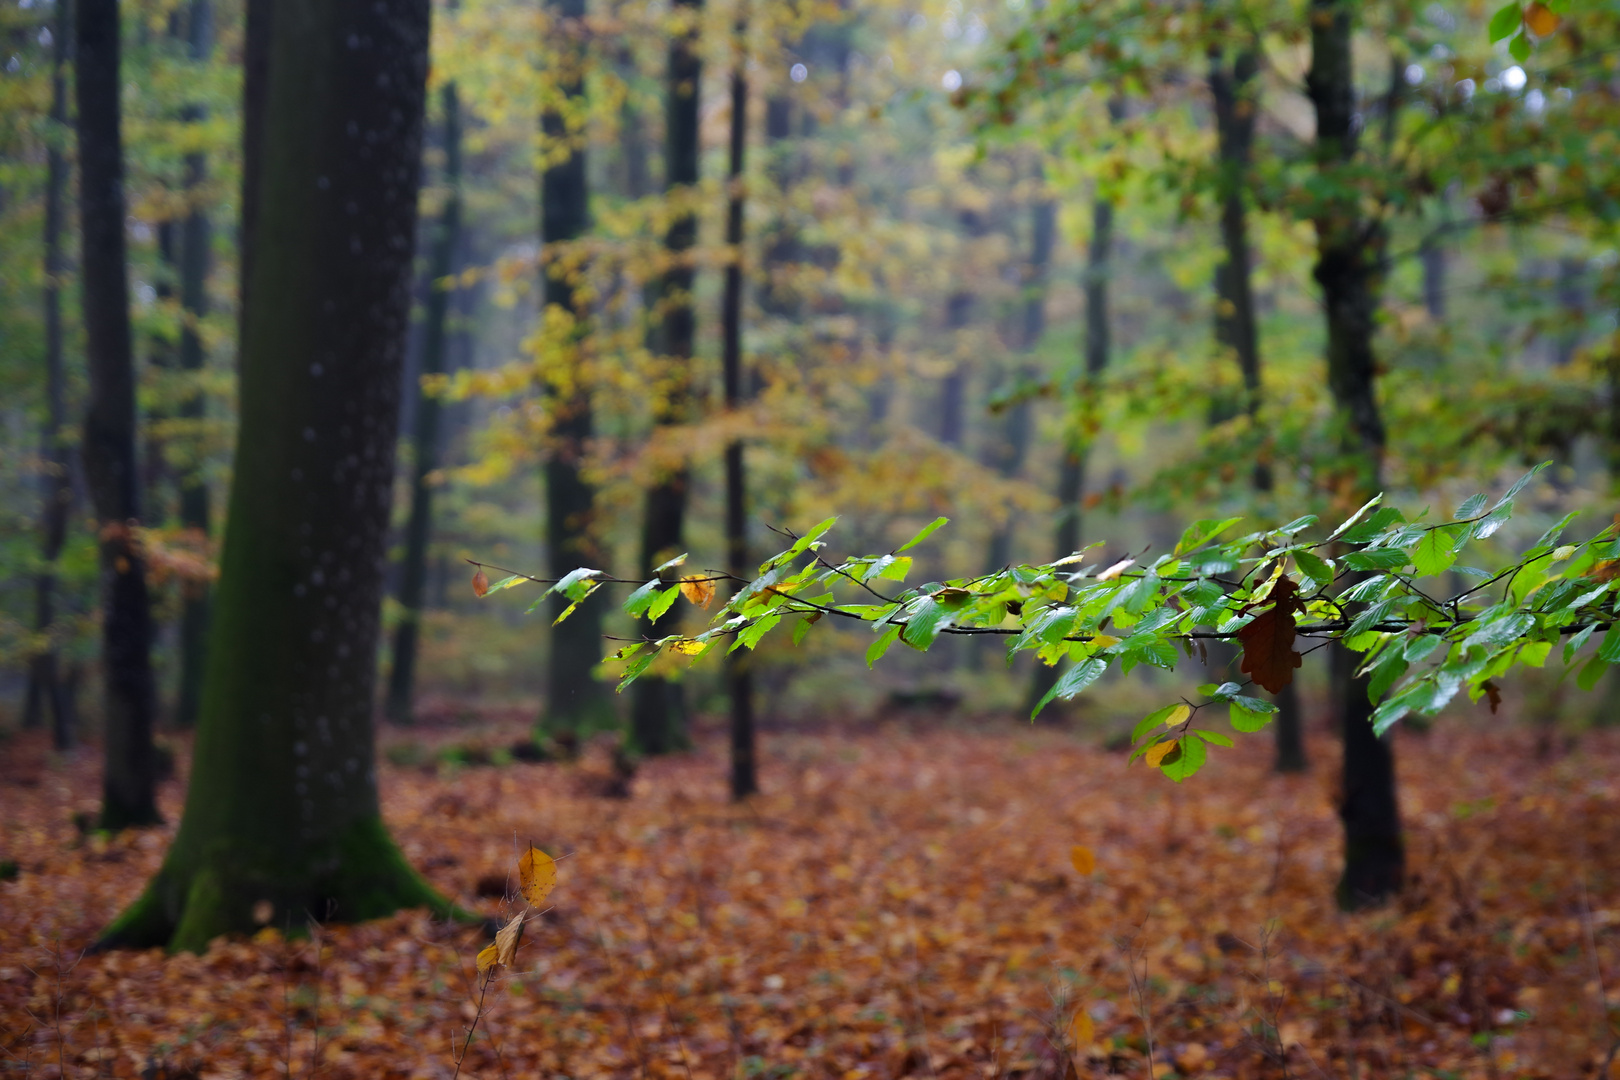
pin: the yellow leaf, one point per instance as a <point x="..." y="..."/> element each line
<point x="486" y="958"/>
<point x="699" y="590"/>
<point x="1178" y="715"/>
<point x="1103" y="641"/>
<point x="1159" y="752"/>
<point x="537" y="875"/>
<point x="506" y="941"/>
<point x="1541" y="19"/>
<point x="686" y="646"/>
<point x="1114" y="571"/>
<point x="1083" y="860"/>
<point x="1082" y="1032"/>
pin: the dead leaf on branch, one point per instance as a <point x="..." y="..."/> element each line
<point x="1269" y="656"/>
<point x="480" y="583"/>
<point x="506" y="941"/>
<point x="537" y="875"/>
<point x="699" y="590"/>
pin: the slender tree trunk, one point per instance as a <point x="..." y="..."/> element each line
<point x="281" y="820"/>
<point x="1236" y="323"/>
<point x="576" y="701"/>
<point x="129" y="785"/>
<point x="46" y="686"/>
<point x="657" y="725"/>
<point x="1348" y="256"/>
<point x="1098" y="345"/>
<point x="744" y="778"/>
<point x="958" y="317"/>
<point x="196" y="240"/>
<point x="425" y="438"/>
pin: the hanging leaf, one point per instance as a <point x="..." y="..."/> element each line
<point x="1114" y="571"/>
<point x="480" y="583"/>
<point x="698" y="589"/>
<point x="927" y="531"/>
<point x="537" y="875"/>
<point x="506" y="941"/>
<point x="1269" y="656"/>
<point x="486" y="958"/>
<point x="1541" y="20"/>
<point x="1159" y="751"/>
<point x="1505" y="21"/>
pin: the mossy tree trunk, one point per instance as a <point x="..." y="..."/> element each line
<point x="658" y="707"/>
<point x="576" y="701"/>
<point x="1349" y="253"/>
<point x="47" y="687"/>
<point x="282" y="819"/>
<point x="739" y="677"/>
<point x="129" y="783"/>
<point x="425" y="439"/>
<point x="1237" y="330"/>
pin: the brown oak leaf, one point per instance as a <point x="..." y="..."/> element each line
<point x="1269" y="656"/>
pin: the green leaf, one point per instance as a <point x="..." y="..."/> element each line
<point x="1247" y="717"/>
<point x="1609" y="650"/>
<point x="1200" y="532"/>
<point x="924" y="622"/>
<point x="1419" y="648"/>
<point x="1519" y="47"/>
<point x="1534" y="653"/>
<point x="875" y="651"/>
<point x="1470" y="507"/>
<point x="927" y="531"/>
<point x="1355" y="517"/>
<point x="672" y="564"/>
<point x="1314" y="567"/>
<point x="1076" y="679"/>
<point x="1591" y="672"/>
<point x="637" y="666"/>
<point x="1299" y="524"/>
<point x="802" y="628"/>
<point x="890" y="568"/>
<point x="576" y="584"/>
<point x="640" y="600"/>
<point x="1504" y="22"/>
<point x="1377" y="559"/>
<point x="1437" y="550"/>
<point x="1154" y="719"/>
<point x="1214" y="737"/>
<point x="748" y="637"/>
<point x="662" y="601"/>
<point x="1179" y="764"/>
<point x="507" y="583"/>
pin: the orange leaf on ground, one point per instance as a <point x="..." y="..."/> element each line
<point x="1083" y="860"/>
<point x="1269" y="656"/>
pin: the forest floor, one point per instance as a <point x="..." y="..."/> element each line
<point x="903" y="900"/>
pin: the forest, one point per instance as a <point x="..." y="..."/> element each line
<point x="720" y="539"/>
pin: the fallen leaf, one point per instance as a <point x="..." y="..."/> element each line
<point x="1083" y="860"/>
<point x="1269" y="656"/>
<point x="537" y="875"/>
<point x="699" y="590"/>
<point x="480" y="582"/>
<point x="1082" y="1032"/>
<point x="506" y="941"/>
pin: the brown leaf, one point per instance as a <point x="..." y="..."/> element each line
<point x="1541" y="20"/>
<point x="1269" y="656"/>
<point x="699" y="590"/>
<point x="1084" y="862"/>
<point x="480" y="582"/>
<point x="1493" y="692"/>
<point x="506" y="940"/>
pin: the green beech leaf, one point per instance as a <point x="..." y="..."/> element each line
<point x="1505" y="21"/>
<point x="875" y="651"/>
<point x="1437" y="550"/>
<point x="1184" y="761"/>
<point x="1249" y="714"/>
<point x="927" y="531"/>
<point x="1076" y="679"/>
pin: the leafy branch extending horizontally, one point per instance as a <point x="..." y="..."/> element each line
<point x="1360" y="584"/>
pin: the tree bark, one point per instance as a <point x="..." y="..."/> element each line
<point x="425" y="437"/>
<point x="576" y="701"/>
<point x="196" y="239"/>
<point x="1348" y="257"/>
<point x="46" y="685"/>
<point x="739" y="677"/>
<point x="657" y="724"/>
<point x="129" y="784"/>
<point x="1236" y="323"/>
<point x="282" y="819"/>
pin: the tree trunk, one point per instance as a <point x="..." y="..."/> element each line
<point x="576" y="701"/>
<point x="419" y="527"/>
<point x="657" y="724"/>
<point x="1348" y="256"/>
<point x="282" y="820"/>
<point x="1098" y="344"/>
<point x="195" y="242"/>
<point x="129" y="784"/>
<point x="46" y="686"/>
<point x="1236" y="323"/>
<point x="744" y="778"/>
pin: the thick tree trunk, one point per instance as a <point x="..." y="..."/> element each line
<point x="195" y="242"/>
<point x="282" y="820"/>
<point x="1348" y="256"/>
<point x="129" y="785"/>
<point x="1236" y="323"/>
<point x="576" y="701"/>
<point x="425" y="441"/>
<point x="657" y="722"/>
<point x="1098" y="346"/>
<point x="46" y="685"/>
<point x="739" y="679"/>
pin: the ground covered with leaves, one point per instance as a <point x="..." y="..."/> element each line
<point x="1007" y="901"/>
